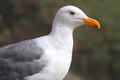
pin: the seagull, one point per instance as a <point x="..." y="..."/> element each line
<point x="48" y="57"/>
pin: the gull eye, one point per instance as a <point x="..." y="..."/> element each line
<point x="72" y="13"/>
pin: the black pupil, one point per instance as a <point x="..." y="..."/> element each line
<point x="72" y="13"/>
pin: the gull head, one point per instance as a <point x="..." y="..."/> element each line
<point x="73" y="17"/>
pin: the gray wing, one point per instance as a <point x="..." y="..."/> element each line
<point x="17" y="60"/>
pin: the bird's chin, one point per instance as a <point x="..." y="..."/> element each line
<point x="79" y="24"/>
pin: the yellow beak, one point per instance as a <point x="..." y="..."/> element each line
<point x="92" y="22"/>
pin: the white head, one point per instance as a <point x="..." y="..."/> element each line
<point x="72" y="17"/>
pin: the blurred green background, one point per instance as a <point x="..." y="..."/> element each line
<point x="96" y="54"/>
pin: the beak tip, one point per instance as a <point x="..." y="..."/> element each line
<point x="98" y="26"/>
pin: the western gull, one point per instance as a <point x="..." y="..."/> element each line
<point x="47" y="57"/>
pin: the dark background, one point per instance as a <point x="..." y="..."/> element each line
<point x="96" y="54"/>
